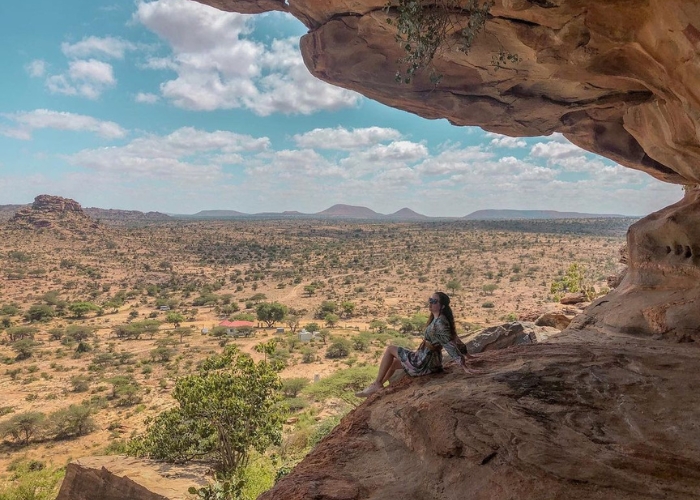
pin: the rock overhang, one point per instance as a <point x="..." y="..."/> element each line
<point x="617" y="79"/>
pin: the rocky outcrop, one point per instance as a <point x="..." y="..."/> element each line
<point x="660" y="292"/>
<point x="616" y="78"/>
<point x="120" y="478"/>
<point x="52" y="212"/>
<point x="586" y="417"/>
<point x="502" y="336"/>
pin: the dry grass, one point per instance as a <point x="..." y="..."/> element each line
<point x="384" y="269"/>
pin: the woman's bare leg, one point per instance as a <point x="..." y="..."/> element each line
<point x="386" y="367"/>
<point x="396" y="365"/>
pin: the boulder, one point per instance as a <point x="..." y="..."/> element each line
<point x="119" y="478"/>
<point x="573" y="298"/>
<point x="502" y="336"/>
<point x="558" y="321"/>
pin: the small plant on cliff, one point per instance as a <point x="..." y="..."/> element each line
<point x="228" y="408"/>
<point x="423" y="27"/>
<point x="575" y="280"/>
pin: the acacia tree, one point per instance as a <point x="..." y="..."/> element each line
<point x="226" y="409"/>
<point x="271" y="313"/>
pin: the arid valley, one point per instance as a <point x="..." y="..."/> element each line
<point x="72" y="286"/>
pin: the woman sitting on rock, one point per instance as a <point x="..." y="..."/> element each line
<point x="440" y="332"/>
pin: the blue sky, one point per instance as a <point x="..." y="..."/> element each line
<point x="173" y="106"/>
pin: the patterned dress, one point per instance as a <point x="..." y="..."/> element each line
<point x="426" y="360"/>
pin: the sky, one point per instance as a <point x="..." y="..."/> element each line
<point x="176" y="107"/>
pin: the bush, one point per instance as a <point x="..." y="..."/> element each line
<point x="31" y="482"/>
<point x="342" y="383"/>
<point x="228" y="389"/>
<point x="292" y="386"/>
<point x="23" y="426"/>
<point x="340" y="348"/>
<point x="308" y="356"/>
<point x="73" y="421"/>
<point x="488" y="305"/>
<point x="80" y="383"/>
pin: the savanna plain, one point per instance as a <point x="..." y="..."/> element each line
<point x="98" y="323"/>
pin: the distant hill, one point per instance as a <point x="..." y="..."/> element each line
<point x="534" y="214"/>
<point x="349" y="212"/>
<point x="406" y="214"/>
<point x="218" y="213"/>
<point x="114" y="215"/>
<point x="7" y="211"/>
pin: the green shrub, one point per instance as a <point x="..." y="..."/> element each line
<point x="342" y="383"/>
<point x="340" y="348"/>
<point x="32" y="482"/>
<point x="292" y="386"/>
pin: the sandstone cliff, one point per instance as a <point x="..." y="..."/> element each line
<point x="585" y="417"/>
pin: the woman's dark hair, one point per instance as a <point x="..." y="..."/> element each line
<point x="444" y="301"/>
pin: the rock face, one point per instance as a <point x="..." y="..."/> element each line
<point x="660" y="293"/>
<point x="52" y="212"/>
<point x="586" y="417"/>
<point x="616" y="78"/>
<point x="120" y="478"/>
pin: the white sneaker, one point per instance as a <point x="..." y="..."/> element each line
<point x="368" y="391"/>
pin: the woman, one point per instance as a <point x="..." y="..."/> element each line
<point x="440" y="332"/>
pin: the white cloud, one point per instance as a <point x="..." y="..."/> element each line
<point x="36" y="68"/>
<point x="91" y="70"/>
<point x="86" y="78"/>
<point x="504" y="141"/>
<point x="342" y="139"/>
<point x="186" y="156"/>
<point x="107" y="47"/>
<point x="218" y="68"/>
<point x="147" y="98"/>
<point x="382" y="158"/>
<point x="556" y="149"/>
<point x="455" y="160"/>
<point x="26" y="122"/>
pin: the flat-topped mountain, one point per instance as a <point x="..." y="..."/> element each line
<point x="534" y="214"/>
<point x="115" y="215"/>
<point x="349" y="211"/>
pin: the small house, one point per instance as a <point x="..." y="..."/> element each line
<point x="305" y="336"/>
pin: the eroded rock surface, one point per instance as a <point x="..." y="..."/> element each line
<point x="659" y="294"/>
<point x="585" y="417"/>
<point x="616" y="78"/>
<point x="122" y="478"/>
